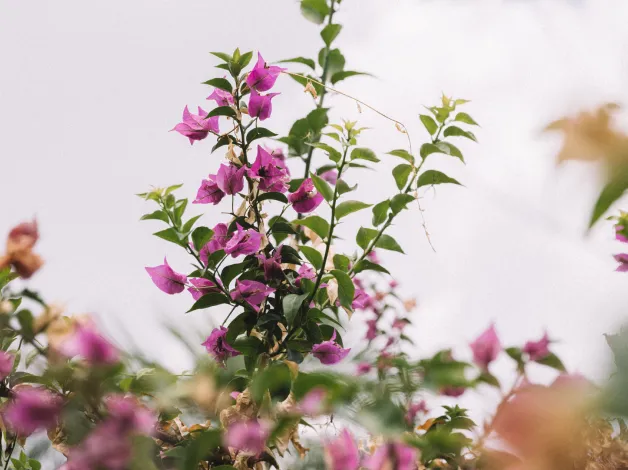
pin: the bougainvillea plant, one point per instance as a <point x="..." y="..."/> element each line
<point x="277" y="371"/>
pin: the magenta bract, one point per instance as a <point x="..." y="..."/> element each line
<point x="166" y="279"/>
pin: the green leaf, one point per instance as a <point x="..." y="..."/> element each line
<point x="222" y="141"/>
<point x="316" y="223"/>
<point x="291" y="304"/>
<point x="335" y="61"/>
<point x="340" y="76"/>
<point x="348" y="207"/>
<point x="403" y="154"/>
<point x="364" y="154"/>
<point x="273" y="196"/>
<point x="386" y="242"/>
<point x="201" y="236"/>
<point x="455" y="131"/>
<point x="341" y="262"/>
<point x="209" y="300"/>
<point x="300" y="60"/>
<point x="431" y="177"/>
<point x="222" y="111"/>
<point x="312" y="255"/>
<point x="364" y="237"/>
<point x="464" y="117"/>
<point x="314" y="10"/>
<point x="190" y="223"/>
<point x="344" y="188"/>
<point x="401" y="174"/>
<point x="171" y="235"/>
<point x="346" y="289"/>
<point x="613" y="190"/>
<point x="248" y="345"/>
<point x="259" y="133"/>
<point x="157" y="215"/>
<point x="450" y="149"/>
<point x="380" y="212"/>
<point x="245" y="59"/>
<point x="222" y="55"/>
<point x="220" y="83"/>
<point x="330" y="32"/>
<point x="323" y="187"/>
<point x="428" y="149"/>
<point x="229" y="273"/>
<point x="400" y="201"/>
<point x="552" y="360"/>
<point x="334" y="155"/>
<point x="429" y="123"/>
<point x="366" y="265"/>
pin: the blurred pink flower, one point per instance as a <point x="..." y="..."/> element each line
<point x="130" y="413"/>
<point x="371" y="332"/>
<point x="217" y="346"/>
<point x="306" y="198"/>
<point x="195" y="126"/>
<point x="88" y="344"/>
<point x="537" y="349"/>
<point x="248" y="436"/>
<point x="261" y="106"/>
<point x="329" y="352"/>
<point x="622" y="259"/>
<point x="209" y="192"/>
<point x="230" y="179"/>
<point x="32" y="409"/>
<point x="398" y="456"/>
<point x="243" y="242"/>
<point x="263" y="77"/>
<point x="413" y="410"/>
<point x="342" y="453"/>
<point x="331" y="176"/>
<point x="313" y="403"/>
<point x="251" y="292"/>
<point x="373" y="257"/>
<point x="270" y="172"/>
<point x="486" y="348"/>
<point x="166" y="279"/>
<point x="363" y="368"/>
<point x="619" y="235"/>
<point x="361" y="300"/>
<point x="6" y="364"/>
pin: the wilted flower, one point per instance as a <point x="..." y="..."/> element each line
<point x="201" y="286"/>
<point x="329" y="352"/>
<point x="195" y="126"/>
<point x="270" y="171"/>
<point x="398" y="456"/>
<point x="537" y="350"/>
<point x="217" y="345"/>
<point x="486" y="347"/>
<point x="263" y="77"/>
<point x="261" y="106"/>
<point x="306" y="198"/>
<point x="90" y="346"/>
<point x="6" y="364"/>
<point x="166" y="279"/>
<point x="251" y="292"/>
<point x="218" y="241"/>
<point x="32" y="409"/>
<point x="243" y="242"/>
<point x="342" y="453"/>
<point x="249" y="436"/>
<point x="209" y="192"/>
<point x="271" y="264"/>
<point x="19" y="252"/>
<point x="230" y="179"/>
<point x="221" y="97"/>
<point x="622" y="259"/>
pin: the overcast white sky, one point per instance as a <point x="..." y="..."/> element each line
<point x="89" y="90"/>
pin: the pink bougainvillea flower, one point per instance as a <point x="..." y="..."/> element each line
<point x="537" y="350"/>
<point x="622" y="259"/>
<point x="32" y="409"/>
<point x="201" y="286"/>
<point x="247" y="436"/>
<point x="306" y="198"/>
<point x="313" y="403"/>
<point x="263" y="77"/>
<point x="361" y="300"/>
<point x="398" y="456"/>
<point x="486" y="348"/>
<point x="195" y="126"/>
<point x="243" y="242"/>
<point x="413" y="410"/>
<point x="251" y="292"/>
<point x="305" y="272"/>
<point x="371" y="332"/>
<point x="217" y="345"/>
<point x="6" y="364"/>
<point x="342" y="453"/>
<point x="619" y="233"/>
<point x="209" y="192"/>
<point x="218" y="241"/>
<point x="280" y="157"/>
<point x="221" y="97"/>
<point x="261" y="106"/>
<point x="363" y="368"/>
<point x="454" y="392"/>
<point x="271" y="264"/>
<point x="400" y="323"/>
<point x="329" y="352"/>
<point x="331" y="176"/>
<point x="230" y="179"/>
<point x="130" y="413"/>
<point x="393" y="284"/>
<point x="166" y="279"/>
<point x="90" y="346"/>
<point x="373" y="257"/>
<point x="269" y="171"/>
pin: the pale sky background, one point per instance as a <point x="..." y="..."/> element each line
<point x="89" y="90"/>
